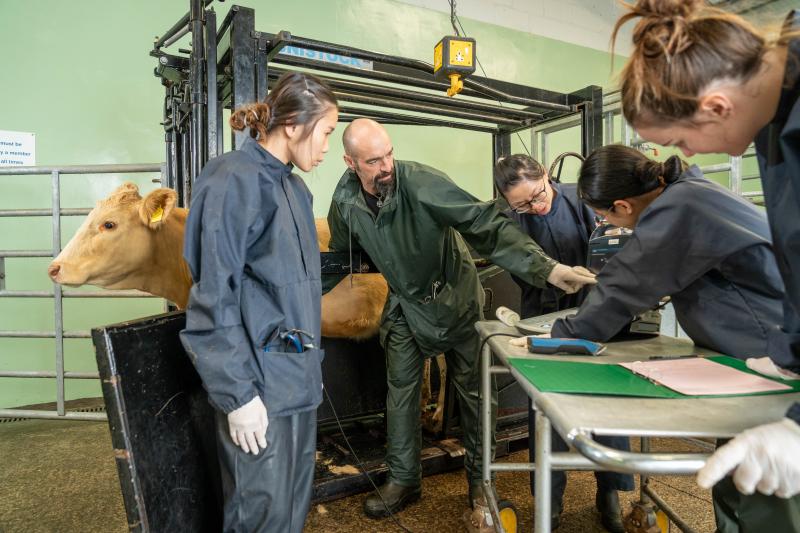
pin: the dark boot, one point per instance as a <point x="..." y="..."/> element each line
<point x="607" y="503"/>
<point x="395" y="498"/>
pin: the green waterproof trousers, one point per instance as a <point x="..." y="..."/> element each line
<point x="739" y="513"/>
<point x="404" y="369"/>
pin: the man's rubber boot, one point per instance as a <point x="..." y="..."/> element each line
<point x="610" y="514"/>
<point x="394" y="499"/>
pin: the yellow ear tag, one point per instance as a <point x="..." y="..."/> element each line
<point x="157" y="215"/>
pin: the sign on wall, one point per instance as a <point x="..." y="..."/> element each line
<point x="17" y="148"/>
<point x="326" y="58"/>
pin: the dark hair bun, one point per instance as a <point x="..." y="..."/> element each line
<point x="667" y="9"/>
<point x="673" y="167"/>
<point x="647" y="172"/>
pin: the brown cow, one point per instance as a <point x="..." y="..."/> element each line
<point x="130" y="242"/>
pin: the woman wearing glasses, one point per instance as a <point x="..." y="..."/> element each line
<point x="551" y="214"/>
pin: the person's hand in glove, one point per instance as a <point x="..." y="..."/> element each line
<point x="570" y="279"/>
<point x="764" y="365"/>
<point x="762" y="458"/>
<point x="248" y="426"/>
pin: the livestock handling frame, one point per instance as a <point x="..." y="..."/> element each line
<point x="577" y="417"/>
<point x="56" y="212"/>
<point x="233" y="64"/>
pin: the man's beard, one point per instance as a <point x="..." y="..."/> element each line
<point x="384" y="188"/>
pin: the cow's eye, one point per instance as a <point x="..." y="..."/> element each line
<point x="109" y="225"/>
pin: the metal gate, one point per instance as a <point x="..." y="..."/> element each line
<point x="60" y="374"/>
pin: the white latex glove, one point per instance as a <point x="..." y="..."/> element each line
<point x="570" y="279"/>
<point x="248" y="426"/>
<point x="763" y="458"/>
<point x="764" y="365"/>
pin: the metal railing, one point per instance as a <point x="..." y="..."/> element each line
<point x="58" y="294"/>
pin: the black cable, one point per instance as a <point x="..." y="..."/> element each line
<point x="361" y="465"/>
<point x="525" y="146"/>
<point x="673" y="487"/>
<point x="453" y="16"/>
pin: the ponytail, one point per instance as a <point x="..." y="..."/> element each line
<point x="615" y="172"/>
<point x="255" y="117"/>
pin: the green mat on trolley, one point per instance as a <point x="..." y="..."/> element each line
<point x="610" y="379"/>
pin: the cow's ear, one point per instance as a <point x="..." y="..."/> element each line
<point x="156" y="207"/>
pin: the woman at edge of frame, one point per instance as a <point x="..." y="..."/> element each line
<point x="707" y="81"/>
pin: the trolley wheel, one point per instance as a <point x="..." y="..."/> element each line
<point x="508" y="516"/>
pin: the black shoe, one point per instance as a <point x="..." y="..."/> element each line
<point x="395" y="498"/>
<point x="607" y="503"/>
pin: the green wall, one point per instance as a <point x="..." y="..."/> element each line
<point x="78" y="74"/>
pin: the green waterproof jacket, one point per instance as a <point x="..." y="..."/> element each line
<point x="415" y="243"/>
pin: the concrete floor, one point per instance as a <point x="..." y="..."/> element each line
<point x="59" y="476"/>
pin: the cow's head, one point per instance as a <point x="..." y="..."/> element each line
<point x="117" y="238"/>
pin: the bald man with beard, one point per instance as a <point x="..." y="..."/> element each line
<point x="412" y="221"/>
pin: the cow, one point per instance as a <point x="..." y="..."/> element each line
<point x="131" y="242"/>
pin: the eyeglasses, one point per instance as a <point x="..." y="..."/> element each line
<point x="538" y="198"/>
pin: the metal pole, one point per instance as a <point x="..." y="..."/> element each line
<point x="609" y="127"/>
<point x="486" y="413"/>
<point x="59" y="319"/>
<point x="673" y="516"/>
<point x="51" y="415"/>
<point x="543" y="474"/>
<point x="625" y="131"/>
<point x="736" y="175"/>
<point x="197" y="74"/>
<point x="543" y="154"/>
<point x="47" y="374"/>
<point x="486" y="436"/>
<point x="644" y="479"/>
<point x="81" y="169"/>
<point x="213" y="111"/>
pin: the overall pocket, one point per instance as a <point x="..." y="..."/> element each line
<point x="290" y="381"/>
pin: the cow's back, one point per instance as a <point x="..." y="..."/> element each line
<point x="353" y="308"/>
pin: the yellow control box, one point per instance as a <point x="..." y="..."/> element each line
<point x="454" y="58"/>
<point x="454" y="55"/>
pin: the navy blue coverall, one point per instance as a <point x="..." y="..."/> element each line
<point x="778" y="152"/>
<point x="708" y="249"/>
<point x="251" y="246"/>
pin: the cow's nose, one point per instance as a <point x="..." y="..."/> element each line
<point x="53" y="270"/>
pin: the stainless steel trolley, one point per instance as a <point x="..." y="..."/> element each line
<point x="577" y="418"/>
